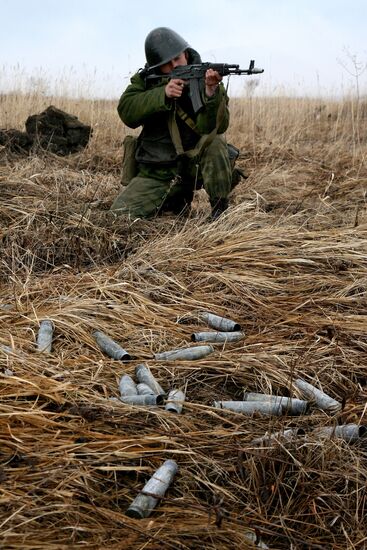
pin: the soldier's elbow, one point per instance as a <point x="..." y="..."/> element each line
<point x="127" y="119"/>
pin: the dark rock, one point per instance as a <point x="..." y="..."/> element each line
<point x="15" y="141"/>
<point x="52" y="130"/>
<point x="58" y="131"/>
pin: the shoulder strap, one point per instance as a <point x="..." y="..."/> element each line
<point x="203" y="142"/>
<point x="185" y="117"/>
<point x="175" y="133"/>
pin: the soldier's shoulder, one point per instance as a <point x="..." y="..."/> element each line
<point x="138" y="79"/>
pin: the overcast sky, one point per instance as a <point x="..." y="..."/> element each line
<point x="94" y="45"/>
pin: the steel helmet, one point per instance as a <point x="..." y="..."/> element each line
<point x="162" y="45"/>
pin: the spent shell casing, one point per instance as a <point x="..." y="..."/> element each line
<point x="184" y="354"/>
<point x="321" y="399"/>
<point x="291" y="404"/>
<point x="272" y="438"/>
<point x="348" y="432"/>
<point x="44" y="337"/>
<point x="110" y="347"/>
<point x="7" y="349"/>
<point x="217" y="337"/>
<point x="127" y="386"/>
<point x="218" y="322"/>
<point x="8" y="372"/>
<point x="143" y="400"/>
<point x="144" y="389"/>
<point x="175" y="401"/>
<point x="256" y="541"/>
<point x="144" y="376"/>
<point x="251" y="407"/>
<point x="143" y="505"/>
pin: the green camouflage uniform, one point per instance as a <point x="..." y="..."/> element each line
<point x="166" y="180"/>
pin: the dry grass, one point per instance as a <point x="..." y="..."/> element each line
<point x="288" y="261"/>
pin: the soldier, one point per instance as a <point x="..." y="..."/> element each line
<point x="166" y="177"/>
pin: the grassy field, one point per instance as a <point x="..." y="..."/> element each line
<point x="287" y="261"/>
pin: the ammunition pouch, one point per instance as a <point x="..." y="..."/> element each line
<point x="233" y="154"/>
<point x="237" y="173"/>
<point x="129" y="164"/>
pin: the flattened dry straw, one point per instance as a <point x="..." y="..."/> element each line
<point x="73" y="460"/>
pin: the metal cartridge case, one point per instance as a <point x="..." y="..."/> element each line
<point x="175" y="401"/>
<point x="184" y="354"/>
<point x="271" y="438"/>
<point x="219" y="323"/>
<point x="144" y="389"/>
<point x="127" y="386"/>
<point x="144" y="376"/>
<point x="256" y="541"/>
<point x="322" y="400"/>
<point x="217" y="337"/>
<point x="291" y="405"/>
<point x="7" y="349"/>
<point x="250" y="407"/>
<point x="44" y="337"/>
<point x="143" y="400"/>
<point x="143" y="505"/>
<point x="348" y="432"/>
<point x="110" y="347"/>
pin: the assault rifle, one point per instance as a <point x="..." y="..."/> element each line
<point x="195" y="73"/>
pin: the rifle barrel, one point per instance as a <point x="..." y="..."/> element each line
<point x="197" y="70"/>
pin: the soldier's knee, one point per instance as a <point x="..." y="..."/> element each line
<point x="140" y="199"/>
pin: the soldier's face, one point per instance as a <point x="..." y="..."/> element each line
<point x="175" y="62"/>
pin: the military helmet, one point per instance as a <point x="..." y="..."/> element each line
<point x="162" y="45"/>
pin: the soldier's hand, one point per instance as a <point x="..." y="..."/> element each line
<point x="212" y="79"/>
<point x="174" y="88"/>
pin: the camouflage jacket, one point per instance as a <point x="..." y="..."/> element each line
<point x="145" y="104"/>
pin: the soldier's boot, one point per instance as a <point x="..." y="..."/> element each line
<point x="179" y="202"/>
<point x="218" y="207"/>
<point x="237" y="175"/>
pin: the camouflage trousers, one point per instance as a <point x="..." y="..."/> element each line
<point x="158" y="189"/>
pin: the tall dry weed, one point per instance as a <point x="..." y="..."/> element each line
<point x="288" y="261"/>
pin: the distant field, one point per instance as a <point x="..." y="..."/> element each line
<point x="288" y="261"/>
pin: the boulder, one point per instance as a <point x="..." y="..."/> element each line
<point x="58" y="131"/>
<point x="15" y="140"/>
